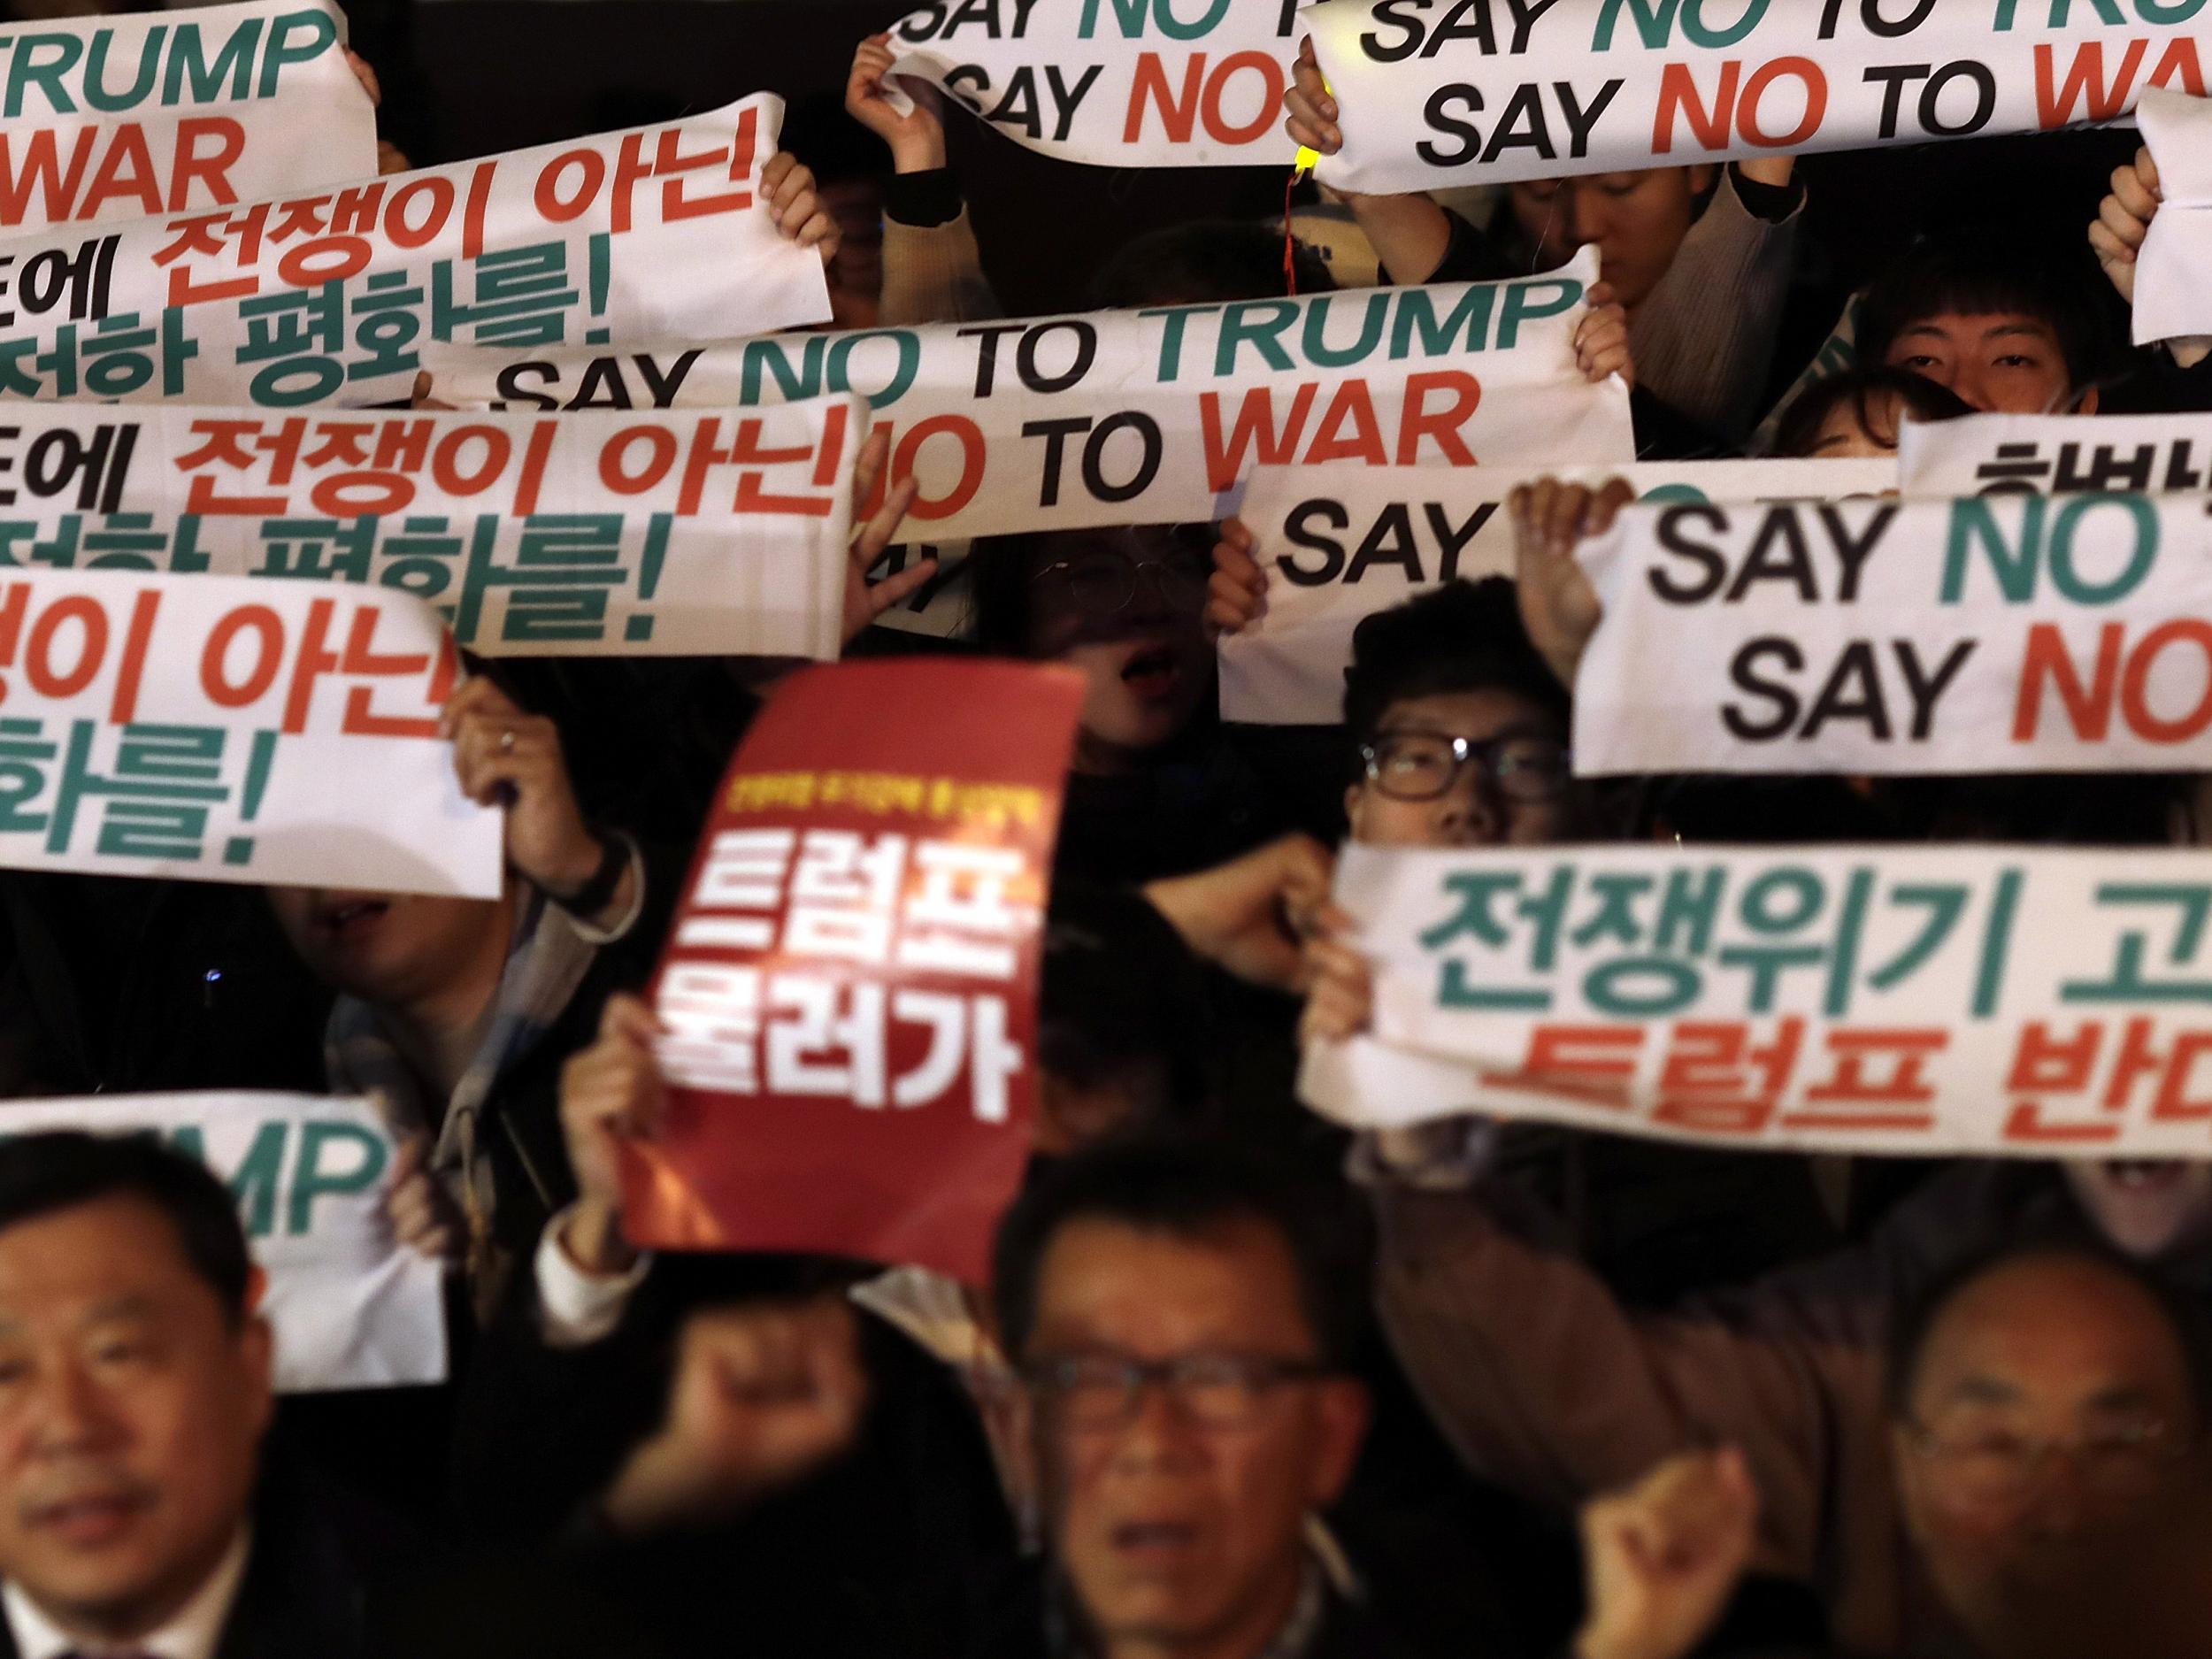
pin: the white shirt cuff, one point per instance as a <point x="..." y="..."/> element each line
<point x="576" y="1308"/>
<point x="624" y="923"/>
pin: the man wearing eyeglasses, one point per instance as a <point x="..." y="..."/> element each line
<point x="1182" y="1341"/>
<point x="2046" y="1407"/>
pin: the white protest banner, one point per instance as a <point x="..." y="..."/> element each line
<point x="127" y="117"/>
<point x="1339" y="543"/>
<point x="2056" y="455"/>
<point x="351" y="1306"/>
<point x="1991" y="634"/>
<point x="217" y="728"/>
<point x="1962" y="1000"/>
<point x="531" y="535"/>
<point x="1116" y="83"/>
<point x="2173" y="271"/>
<point x="1145" y="417"/>
<point x="653" y="234"/>
<point x="1490" y="91"/>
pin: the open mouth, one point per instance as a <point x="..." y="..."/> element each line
<point x="353" y="918"/>
<point x="1153" y="674"/>
<point x="2146" y="1175"/>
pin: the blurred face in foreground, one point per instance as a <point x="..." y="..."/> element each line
<point x="1485" y="768"/>
<point x="1177" y="1503"/>
<point x="131" y="1408"/>
<point x="2050" y="1420"/>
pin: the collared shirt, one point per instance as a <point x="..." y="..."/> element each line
<point x="1293" y="1640"/>
<point x="194" y="1633"/>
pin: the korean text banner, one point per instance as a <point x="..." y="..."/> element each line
<point x="214" y="728"/>
<point x="653" y="234"/>
<point x="1145" y="417"/>
<point x="708" y="535"/>
<point x="1477" y="93"/>
<point x="128" y="116"/>
<point x="351" y="1306"/>
<point x="849" y="996"/>
<point x="1339" y="543"/>
<point x="1993" y="635"/>
<point x="2057" y="455"/>
<point x="1968" y="1000"/>
<point x="1117" y="83"/>
<point x="2173" y="275"/>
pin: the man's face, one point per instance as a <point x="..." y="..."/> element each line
<point x="1636" y="220"/>
<point x="2052" y="1402"/>
<point x="1521" y="798"/>
<point x="131" y="1414"/>
<point x="1999" y="362"/>
<point x="1125" y="607"/>
<point x="389" y="949"/>
<point x="2146" y="1209"/>
<point x="1177" y="1531"/>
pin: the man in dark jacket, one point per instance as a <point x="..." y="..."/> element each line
<point x="134" y="1398"/>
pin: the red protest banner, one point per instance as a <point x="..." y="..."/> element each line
<point x="850" y="995"/>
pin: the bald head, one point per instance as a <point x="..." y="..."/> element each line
<point x="2045" y="1404"/>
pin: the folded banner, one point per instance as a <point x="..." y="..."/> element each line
<point x="2057" y="455"/>
<point x="1993" y="635"/>
<point x="128" y="117"/>
<point x="1340" y="543"/>
<point x="1145" y="417"/>
<point x="1474" y="93"/>
<point x="351" y="1306"/>
<point x="849" y="996"/>
<point x="2173" y="275"/>
<point x="1116" y="83"/>
<point x="1963" y="1000"/>
<point x="211" y="728"/>
<point x="531" y="535"/>
<point x="653" y="234"/>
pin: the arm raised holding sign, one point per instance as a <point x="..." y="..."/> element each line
<point x="2124" y="219"/>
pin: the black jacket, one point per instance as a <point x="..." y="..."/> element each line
<point x="324" y="1577"/>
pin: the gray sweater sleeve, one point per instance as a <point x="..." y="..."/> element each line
<point x="1704" y="338"/>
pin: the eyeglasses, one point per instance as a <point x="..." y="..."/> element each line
<point x="1412" y="765"/>
<point x="1103" y="582"/>
<point x="1992" y="1462"/>
<point x="1222" y="1391"/>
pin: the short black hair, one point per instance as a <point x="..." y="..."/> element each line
<point x="1463" y="636"/>
<point x="57" y="1169"/>
<point x="1798" y="428"/>
<point x="1186" y="1188"/>
<point x="1917" y="1320"/>
<point x="1211" y="261"/>
<point x="1983" y="269"/>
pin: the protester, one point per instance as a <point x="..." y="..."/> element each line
<point x="1672" y="241"/>
<point x="134" y="1390"/>
<point x="1240" y="1380"/>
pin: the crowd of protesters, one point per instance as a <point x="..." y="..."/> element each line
<point x="1242" y="1386"/>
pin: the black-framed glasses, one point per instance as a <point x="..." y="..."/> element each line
<point x="1417" y="765"/>
<point x="2130" y="1458"/>
<point x="1102" y="581"/>
<point x="1102" y="1391"/>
